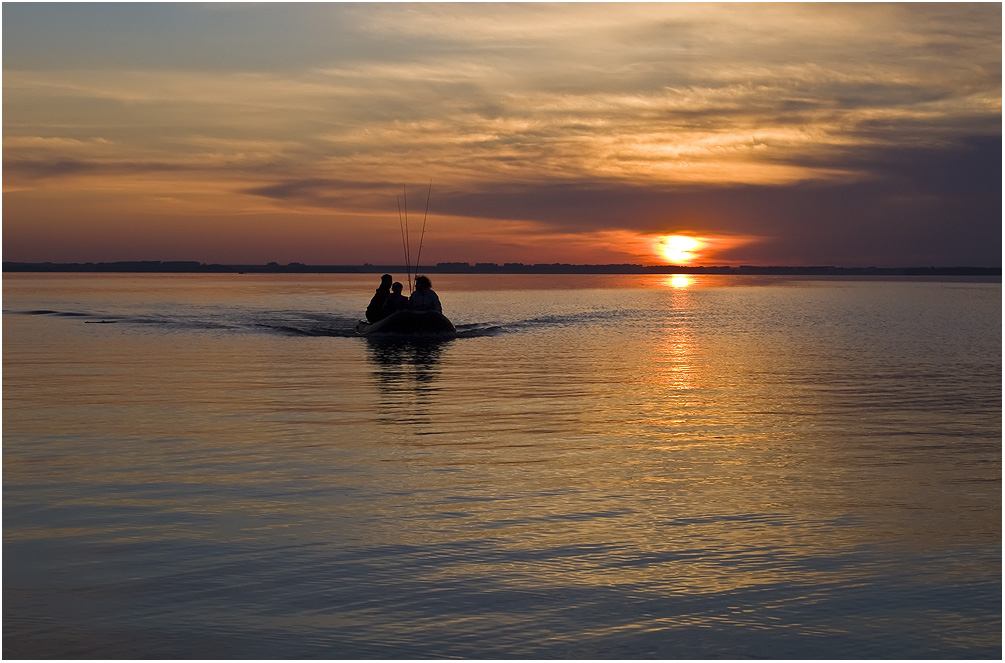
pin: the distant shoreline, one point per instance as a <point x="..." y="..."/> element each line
<point x="189" y="266"/>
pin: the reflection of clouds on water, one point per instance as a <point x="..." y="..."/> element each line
<point x="406" y="373"/>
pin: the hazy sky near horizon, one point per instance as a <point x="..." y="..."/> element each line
<point x="843" y="134"/>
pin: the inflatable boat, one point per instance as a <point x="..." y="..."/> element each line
<point x="409" y="323"/>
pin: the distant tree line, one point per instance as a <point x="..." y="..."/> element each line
<point x="191" y="266"/>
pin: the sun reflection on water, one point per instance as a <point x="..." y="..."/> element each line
<point x="679" y="281"/>
<point x="674" y="357"/>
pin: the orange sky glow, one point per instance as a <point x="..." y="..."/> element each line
<point x="849" y="134"/>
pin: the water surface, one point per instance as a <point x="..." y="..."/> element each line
<point x="596" y="467"/>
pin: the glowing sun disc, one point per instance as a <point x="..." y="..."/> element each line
<point x="678" y="248"/>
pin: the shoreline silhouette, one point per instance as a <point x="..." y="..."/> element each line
<point x="191" y="266"/>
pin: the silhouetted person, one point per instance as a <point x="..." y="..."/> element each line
<point x="395" y="301"/>
<point x="375" y="311"/>
<point x="424" y="299"/>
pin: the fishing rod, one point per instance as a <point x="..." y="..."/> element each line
<point x="423" y="235"/>
<point x="404" y="242"/>
<point x="408" y="252"/>
<point x="405" y="235"/>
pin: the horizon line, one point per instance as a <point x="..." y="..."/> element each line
<point x="193" y="266"/>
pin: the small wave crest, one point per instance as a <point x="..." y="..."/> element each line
<point x="68" y="314"/>
<point x="478" y="329"/>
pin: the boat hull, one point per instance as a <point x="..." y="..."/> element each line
<point x="409" y="323"/>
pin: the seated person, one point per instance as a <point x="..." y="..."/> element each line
<point x="375" y="310"/>
<point x="424" y="299"/>
<point x="395" y="301"/>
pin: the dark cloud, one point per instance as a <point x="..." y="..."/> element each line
<point x="43" y="169"/>
<point x="335" y="194"/>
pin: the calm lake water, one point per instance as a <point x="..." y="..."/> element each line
<point x="597" y="467"/>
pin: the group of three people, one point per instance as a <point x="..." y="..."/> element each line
<point x="388" y="298"/>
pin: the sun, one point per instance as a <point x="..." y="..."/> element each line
<point x="678" y="249"/>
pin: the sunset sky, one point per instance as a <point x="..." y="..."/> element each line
<point x="799" y="134"/>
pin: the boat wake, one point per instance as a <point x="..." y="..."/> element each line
<point x="242" y="321"/>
